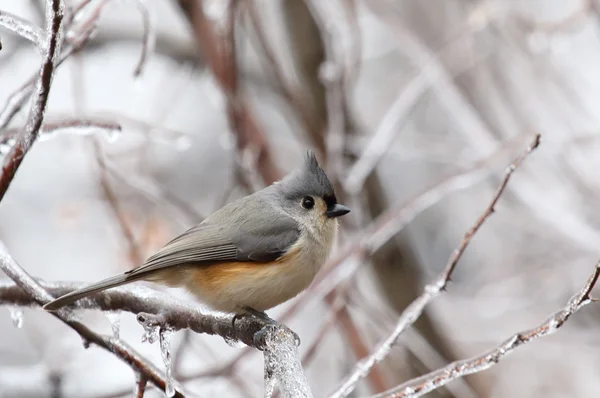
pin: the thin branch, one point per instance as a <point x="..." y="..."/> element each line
<point x="140" y="387"/>
<point x="149" y="39"/>
<point x="431" y="291"/>
<point x="23" y="28"/>
<point x="30" y="290"/>
<point x="431" y="381"/>
<point x="27" y="136"/>
<point x="135" y="255"/>
<point x="286" y="89"/>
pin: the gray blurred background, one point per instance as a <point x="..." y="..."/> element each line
<point x="396" y="95"/>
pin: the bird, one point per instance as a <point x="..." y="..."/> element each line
<point x="250" y="255"/>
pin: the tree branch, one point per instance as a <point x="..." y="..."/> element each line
<point x="158" y="311"/>
<point x="36" y="293"/>
<point x="431" y="291"/>
<point x="152" y="307"/>
<point x="23" y="28"/>
<point x="27" y="136"/>
<point x="431" y="381"/>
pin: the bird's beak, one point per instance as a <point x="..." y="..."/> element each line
<point x="337" y="210"/>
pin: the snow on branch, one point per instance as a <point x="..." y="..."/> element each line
<point x="431" y="291"/>
<point x="438" y="378"/>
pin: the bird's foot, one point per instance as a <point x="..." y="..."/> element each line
<point x="270" y="326"/>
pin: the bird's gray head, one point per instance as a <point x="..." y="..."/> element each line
<point x="308" y="194"/>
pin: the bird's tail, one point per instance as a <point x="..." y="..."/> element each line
<point x="105" y="284"/>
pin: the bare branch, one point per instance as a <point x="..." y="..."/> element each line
<point x="140" y="387"/>
<point x="431" y="381"/>
<point x="431" y="291"/>
<point x="36" y="294"/>
<point x="23" y="28"/>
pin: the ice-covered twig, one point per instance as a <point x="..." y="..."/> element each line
<point x="431" y="291"/>
<point x="282" y="363"/>
<point x="27" y="136"/>
<point x="438" y="378"/>
<point x="33" y="292"/>
<point x="23" y="28"/>
<point x="75" y="126"/>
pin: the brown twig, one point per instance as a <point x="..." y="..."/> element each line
<point x="431" y="291"/>
<point x="287" y="91"/>
<point x="28" y="289"/>
<point x="149" y="39"/>
<point x="27" y="136"/>
<point x="135" y="255"/>
<point x="140" y="387"/>
<point x="431" y="381"/>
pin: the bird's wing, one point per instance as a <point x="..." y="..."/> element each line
<point x="257" y="239"/>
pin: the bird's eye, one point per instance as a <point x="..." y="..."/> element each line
<point x="308" y="202"/>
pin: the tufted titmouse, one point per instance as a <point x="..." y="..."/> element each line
<point x="252" y="254"/>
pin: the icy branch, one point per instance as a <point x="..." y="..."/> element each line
<point x="75" y="127"/>
<point x="23" y="28"/>
<point x="158" y="312"/>
<point x="431" y="291"/>
<point x="25" y="139"/>
<point x="153" y="309"/>
<point x="33" y="292"/>
<point x="436" y="379"/>
<point x="282" y="363"/>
